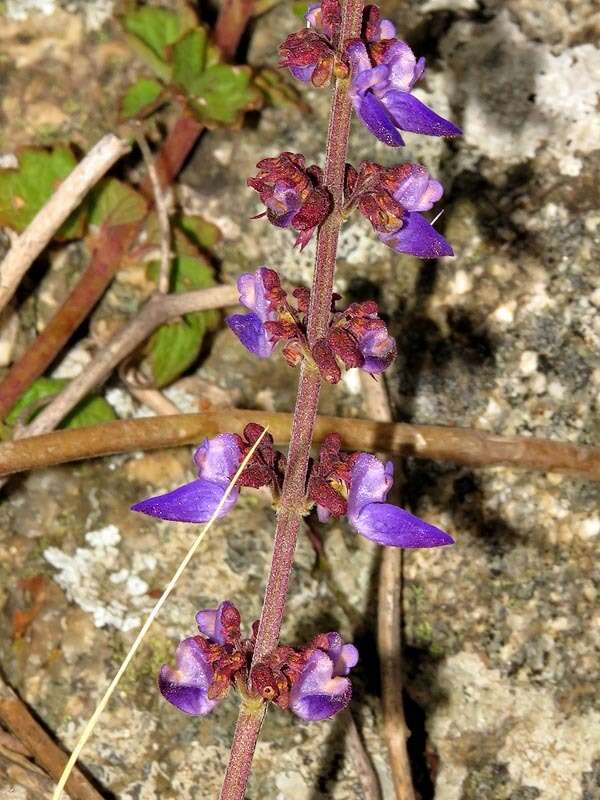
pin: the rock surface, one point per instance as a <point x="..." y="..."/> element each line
<point x="501" y="631"/>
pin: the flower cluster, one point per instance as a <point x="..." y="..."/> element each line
<point x="339" y="484"/>
<point x="310" y="54"/>
<point x="357" y="337"/>
<point x="217" y="460"/>
<point x="391" y="199"/>
<point x="383" y="71"/>
<point x="293" y="194"/>
<point x="311" y="682"/>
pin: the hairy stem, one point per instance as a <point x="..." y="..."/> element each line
<point x="305" y="411"/>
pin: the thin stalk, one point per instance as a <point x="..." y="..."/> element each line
<point x="305" y="413"/>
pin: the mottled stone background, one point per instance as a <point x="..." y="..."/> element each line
<point x="501" y="630"/>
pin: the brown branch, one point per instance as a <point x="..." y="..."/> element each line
<point x="360" y="758"/>
<point x="233" y="18"/>
<point x="27" y="247"/>
<point x="389" y="625"/>
<point x="458" y="445"/>
<point x="110" y="248"/>
<point x="158" y="309"/>
<point x="47" y="754"/>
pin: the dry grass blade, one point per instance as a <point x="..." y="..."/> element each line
<point x="146" y="626"/>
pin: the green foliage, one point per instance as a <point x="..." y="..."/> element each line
<point x="175" y="346"/>
<point x="300" y="9"/>
<point x="277" y="92"/>
<point x="157" y="28"/>
<point x="221" y="95"/>
<point x="90" y="411"/>
<point x="24" y="190"/>
<point x="201" y="232"/>
<point x="189" y="58"/>
<point x="141" y="98"/>
<point x="178" y="51"/>
<point x="115" y="203"/>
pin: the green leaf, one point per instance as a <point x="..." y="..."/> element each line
<point x="222" y="94"/>
<point x="300" y="9"/>
<point x="29" y="403"/>
<point x="116" y="203"/>
<point x="25" y="189"/>
<point x="202" y="233"/>
<point x="141" y="98"/>
<point x="277" y="92"/>
<point x="174" y="347"/>
<point x="90" y="411"/>
<point x="189" y="57"/>
<point x="157" y="28"/>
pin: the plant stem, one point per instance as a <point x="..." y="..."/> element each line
<point x="305" y="412"/>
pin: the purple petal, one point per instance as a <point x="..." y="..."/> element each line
<point x="252" y="293"/>
<point x="404" y="68"/>
<point x="186" y="687"/>
<point x="374" y="116"/>
<point x="193" y="502"/>
<point x="209" y="621"/>
<point x="251" y="332"/>
<point x="378" y="349"/>
<point x="370" y="482"/>
<point x="417" y="237"/>
<point x="418" y="191"/>
<point x="303" y="74"/>
<point x="318" y="693"/>
<point x="343" y="656"/>
<point x="410" y="114"/>
<point x="387" y="524"/>
<point x="359" y="59"/>
<point x="218" y="458"/>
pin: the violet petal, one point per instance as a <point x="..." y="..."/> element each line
<point x="319" y="694"/>
<point x="186" y="687"/>
<point x="209" y="621"/>
<point x="417" y="237"/>
<point x="218" y="458"/>
<point x="410" y="114"/>
<point x="370" y="482"/>
<point x="251" y="332"/>
<point x="375" y="117"/>
<point x="390" y="525"/>
<point x="193" y="502"/>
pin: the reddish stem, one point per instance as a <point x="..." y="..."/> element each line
<point x="112" y="244"/>
<point x="305" y="414"/>
<point x="173" y="153"/>
<point x="231" y="24"/>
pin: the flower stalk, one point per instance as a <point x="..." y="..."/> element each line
<point x="305" y="414"/>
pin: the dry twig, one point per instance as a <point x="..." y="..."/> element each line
<point x="162" y="213"/>
<point x="47" y="754"/>
<point x="158" y="310"/>
<point x="27" y="247"/>
<point x="389" y="625"/>
<point x="458" y="445"/>
<point x="360" y="758"/>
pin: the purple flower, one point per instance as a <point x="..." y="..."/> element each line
<point x="249" y="328"/>
<point x="378" y="349"/>
<point x="392" y="198"/>
<point x="215" y="623"/>
<point x="322" y="688"/>
<point x="187" y="686"/>
<point x="382" y="522"/>
<point x="217" y="461"/>
<point x="382" y="79"/>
